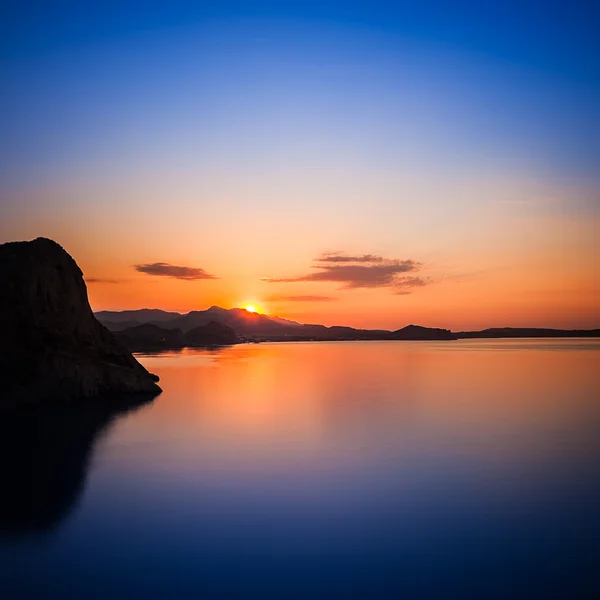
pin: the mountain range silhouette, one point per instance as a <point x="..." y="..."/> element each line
<point x="172" y="329"/>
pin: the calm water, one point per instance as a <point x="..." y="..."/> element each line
<point x="465" y="469"/>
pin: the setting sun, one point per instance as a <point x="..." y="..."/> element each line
<point x="250" y="308"/>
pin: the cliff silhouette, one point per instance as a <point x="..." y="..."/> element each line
<point x="53" y="348"/>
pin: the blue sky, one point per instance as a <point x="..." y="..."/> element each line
<point x="510" y="82"/>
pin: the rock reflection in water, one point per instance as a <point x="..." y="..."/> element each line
<point x="44" y="456"/>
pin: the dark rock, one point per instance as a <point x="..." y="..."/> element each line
<point x="150" y="337"/>
<point x="211" y="334"/>
<point x="51" y="345"/>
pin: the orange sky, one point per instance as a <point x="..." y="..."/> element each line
<point x="327" y="171"/>
<point x="498" y="264"/>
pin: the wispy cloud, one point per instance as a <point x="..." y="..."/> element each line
<point x="305" y="298"/>
<point x="338" y="257"/>
<point x="403" y="285"/>
<point x="102" y="280"/>
<point x="362" y="271"/>
<point x="163" y="269"/>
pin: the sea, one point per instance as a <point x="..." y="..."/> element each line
<point x="340" y="470"/>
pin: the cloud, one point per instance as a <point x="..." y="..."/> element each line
<point x="409" y="282"/>
<point x="301" y="299"/>
<point x="337" y="257"/>
<point x="177" y="272"/>
<point x="403" y="284"/>
<point x="102" y="280"/>
<point x="363" y="271"/>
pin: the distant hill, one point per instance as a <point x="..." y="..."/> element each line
<point x="150" y="337"/>
<point x="115" y="326"/>
<point x="416" y="332"/>
<point x="211" y="334"/>
<point x="531" y="332"/>
<point x="255" y="326"/>
<point x="244" y="323"/>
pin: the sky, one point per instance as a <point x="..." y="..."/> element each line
<point x="370" y="164"/>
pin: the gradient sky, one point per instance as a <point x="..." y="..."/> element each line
<point x="363" y="163"/>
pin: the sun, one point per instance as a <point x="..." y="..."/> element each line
<point x="250" y="308"/>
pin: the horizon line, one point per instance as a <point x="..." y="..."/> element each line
<point x="596" y="328"/>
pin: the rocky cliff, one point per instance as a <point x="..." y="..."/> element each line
<point x="51" y="345"/>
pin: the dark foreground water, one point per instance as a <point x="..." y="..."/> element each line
<point x="465" y="469"/>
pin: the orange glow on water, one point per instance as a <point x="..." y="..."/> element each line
<point x="242" y="400"/>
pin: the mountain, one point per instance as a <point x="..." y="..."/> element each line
<point x="53" y="348"/>
<point x="143" y="315"/>
<point x="254" y="326"/>
<point x="244" y="323"/>
<point x="131" y="318"/>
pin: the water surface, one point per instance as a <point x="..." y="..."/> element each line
<point x="465" y="469"/>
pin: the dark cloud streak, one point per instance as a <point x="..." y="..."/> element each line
<point x="404" y="284"/>
<point x="162" y="269"/>
<point x="363" y="271"/>
<point x="306" y="298"/>
<point x="336" y="257"/>
<point x="102" y="280"/>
